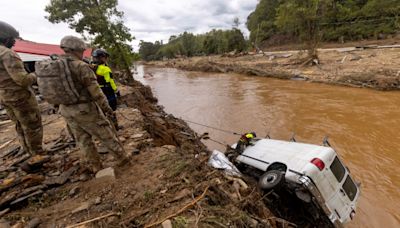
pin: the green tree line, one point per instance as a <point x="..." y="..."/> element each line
<point x="188" y="44"/>
<point x="326" y="20"/>
<point x="99" y="21"/>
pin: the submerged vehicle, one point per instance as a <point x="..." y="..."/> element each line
<point x="312" y="173"/>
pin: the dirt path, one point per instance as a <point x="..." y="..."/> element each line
<point x="377" y="68"/>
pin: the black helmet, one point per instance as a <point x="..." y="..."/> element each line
<point x="100" y="53"/>
<point x="7" y="31"/>
<point x="254" y="134"/>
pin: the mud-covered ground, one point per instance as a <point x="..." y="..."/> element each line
<point x="370" y="66"/>
<point x="169" y="180"/>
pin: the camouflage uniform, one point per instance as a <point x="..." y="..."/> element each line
<point x="19" y="100"/>
<point x="86" y="118"/>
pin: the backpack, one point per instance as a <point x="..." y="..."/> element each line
<point x="55" y="81"/>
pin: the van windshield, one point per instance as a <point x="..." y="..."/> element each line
<point x="337" y="169"/>
<point x="350" y="188"/>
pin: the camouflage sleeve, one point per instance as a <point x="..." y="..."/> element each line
<point x="90" y="82"/>
<point x="15" y="68"/>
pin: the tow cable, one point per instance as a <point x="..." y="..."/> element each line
<point x="215" y="128"/>
<point x="206" y="135"/>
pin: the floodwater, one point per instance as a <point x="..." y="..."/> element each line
<point x="363" y="125"/>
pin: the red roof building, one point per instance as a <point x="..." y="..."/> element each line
<point x="31" y="51"/>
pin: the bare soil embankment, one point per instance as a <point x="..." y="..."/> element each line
<point x="169" y="178"/>
<point x="370" y="67"/>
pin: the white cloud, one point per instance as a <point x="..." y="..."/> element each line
<point x="149" y="20"/>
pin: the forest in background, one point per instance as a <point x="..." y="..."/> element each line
<point x="188" y="44"/>
<point x="278" y="22"/>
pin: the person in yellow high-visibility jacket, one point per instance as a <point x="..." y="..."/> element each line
<point x="105" y="78"/>
<point x="244" y="141"/>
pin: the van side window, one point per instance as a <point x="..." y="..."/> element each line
<point x="337" y="169"/>
<point x="350" y="188"/>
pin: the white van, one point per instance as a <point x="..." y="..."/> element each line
<point x="314" y="173"/>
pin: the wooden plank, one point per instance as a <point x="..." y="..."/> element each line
<point x="6" y="144"/>
<point x="5" y="122"/>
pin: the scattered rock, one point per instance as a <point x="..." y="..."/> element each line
<point x="355" y="57"/>
<point x="183" y="193"/>
<point x="97" y="201"/>
<point x="84" y="177"/>
<point x="62" y="178"/>
<point x="104" y="207"/>
<point x="170" y="148"/>
<point x="136" y="152"/>
<point x="103" y="150"/>
<point x="55" y="173"/>
<point x="74" y="191"/>
<point x="108" y="172"/>
<point x="82" y="207"/>
<point x="33" y="223"/>
<point x="112" y="219"/>
<point x="253" y="222"/>
<point x="167" y="224"/>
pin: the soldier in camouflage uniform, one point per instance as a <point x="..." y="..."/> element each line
<point x="16" y="95"/>
<point x="88" y="118"/>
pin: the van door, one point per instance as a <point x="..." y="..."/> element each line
<point x="352" y="193"/>
<point x="339" y="203"/>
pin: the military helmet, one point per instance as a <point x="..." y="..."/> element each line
<point x="72" y="43"/>
<point x="100" y="53"/>
<point x="7" y="31"/>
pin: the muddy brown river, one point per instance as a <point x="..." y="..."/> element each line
<point x="363" y="125"/>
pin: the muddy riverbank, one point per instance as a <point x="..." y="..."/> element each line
<point x="377" y="68"/>
<point x="169" y="179"/>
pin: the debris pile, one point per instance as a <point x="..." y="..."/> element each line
<point x="3" y="115"/>
<point x="370" y="67"/>
<point x="168" y="184"/>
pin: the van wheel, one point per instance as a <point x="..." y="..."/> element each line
<point x="272" y="179"/>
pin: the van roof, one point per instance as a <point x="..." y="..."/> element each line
<point x="295" y="155"/>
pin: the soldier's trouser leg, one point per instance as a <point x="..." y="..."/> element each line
<point x="87" y="117"/>
<point x="106" y="134"/>
<point x="85" y="143"/>
<point x="28" y="122"/>
<point x="18" y="128"/>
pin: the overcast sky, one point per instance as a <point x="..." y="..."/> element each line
<point x="148" y="20"/>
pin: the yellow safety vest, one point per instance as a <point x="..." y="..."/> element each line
<point x="105" y="72"/>
<point x="249" y="136"/>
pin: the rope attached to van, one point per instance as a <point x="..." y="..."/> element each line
<point x="211" y="127"/>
